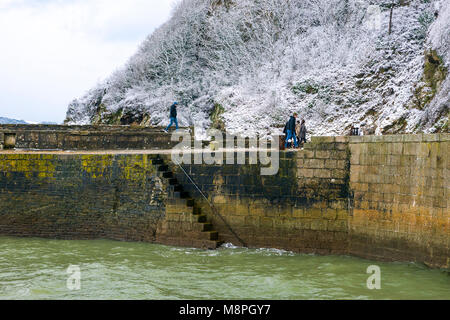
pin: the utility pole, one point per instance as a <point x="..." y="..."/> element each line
<point x="390" y="18"/>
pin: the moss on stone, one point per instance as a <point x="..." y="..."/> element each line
<point x="307" y="87"/>
<point x="434" y="74"/>
<point x="216" y="117"/>
<point x="396" y="127"/>
<point x="434" y="70"/>
<point x="113" y="118"/>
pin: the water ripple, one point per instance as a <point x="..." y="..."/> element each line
<point x="37" y="269"/>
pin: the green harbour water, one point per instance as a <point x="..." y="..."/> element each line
<point x="33" y="268"/>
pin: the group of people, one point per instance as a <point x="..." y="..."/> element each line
<point x="295" y="130"/>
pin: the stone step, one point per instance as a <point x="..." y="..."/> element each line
<point x="162" y="168"/>
<point x="197" y="243"/>
<point x="174" y="201"/>
<point x="180" y="195"/>
<point x="177" y="201"/>
<point x="174" y="217"/>
<point x="207" y="244"/>
<point x="178" y="209"/>
<point x="190" y="202"/>
<point x="201" y="218"/>
<point x="157" y="162"/>
<point x="210" y="235"/>
<point x="175" y="188"/>
<point x="181" y="202"/>
<point x="166" y="174"/>
<point x="203" y="226"/>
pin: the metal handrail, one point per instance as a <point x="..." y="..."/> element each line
<point x="212" y="206"/>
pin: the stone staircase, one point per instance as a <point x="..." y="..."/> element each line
<point x="185" y="224"/>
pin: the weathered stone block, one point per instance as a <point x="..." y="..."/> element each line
<point x="314" y="163"/>
<point x="339" y="155"/>
<point x="336" y="226"/>
<point x="443" y="137"/>
<point x="323" y="154"/>
<point x="266" y="222"/>
<point x="342" y="139"/>
<point x="341" y="146"/>
<point x="319" y="225"/>
<point x="331" y="164"/>
<point x="354" y="158"/>
<point x="300" y="163"/>
<point x="412" y="138"/>
<point x="392" y="138"/>
<point x="339" y="174"/>
<point x="359" y="187"/>
<point x="411" y="149"/>
<point x="305" y="173"/>
<point x="393" y="160"/>
<point x="307" y="154"/>
<point x="342" y="164"/>
<point x="354" y="178"/>
<point x="298" y="212"/>
<point x="322" y="173"/>
<point x="355" y="139"/>
<point x="323" y="139"/>
<point x="330" y="214"/>
<point x="342" y="214"/>
<point x="218" y="199"/>
<point x="314" y="213"/>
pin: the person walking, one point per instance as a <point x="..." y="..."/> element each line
<point x="302" y="133"/>
<point x="290" y="129"/>
<point x="173" y="117"/>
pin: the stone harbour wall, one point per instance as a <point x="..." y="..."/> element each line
<point x="60" y="137"/>
<point x="376" y="197"/>
<point x="116" y="197"/>
<point x="401" y="201"/>
<point x="303" y="208"/>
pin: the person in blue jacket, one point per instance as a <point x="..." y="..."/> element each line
<point x="290" y="130"/>
<point x="173" y="116"/>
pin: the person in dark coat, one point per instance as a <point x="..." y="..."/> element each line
<point x="302" y="135"/>
<point x="290" y="131"/>
<point x="173" y="116"/>
<point x="297" y="130"/>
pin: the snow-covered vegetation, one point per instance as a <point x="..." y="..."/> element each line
<point x="246" y="65"/>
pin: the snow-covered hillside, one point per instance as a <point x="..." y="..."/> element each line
<point x="246" y="65"/>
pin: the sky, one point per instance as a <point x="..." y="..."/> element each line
<point x="53" y="51"/>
